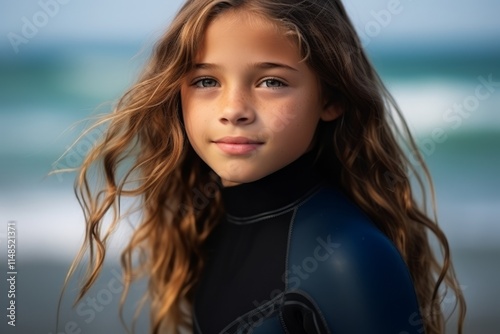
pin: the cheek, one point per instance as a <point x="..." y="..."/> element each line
<point x="190" y="123"/>
<point x="279" y="118"/>
<point x="300" y="116"/>
<point x="195" y="132"/>
<point x="184" y="108"/>
<point x="189" y="113"/>
<point x="291" y="129"/>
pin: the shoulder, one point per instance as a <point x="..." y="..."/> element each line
<point x="329" y="217"/>
<point x="347" y="268"/>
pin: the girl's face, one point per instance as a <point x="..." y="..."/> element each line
<point x="250" y="106"/>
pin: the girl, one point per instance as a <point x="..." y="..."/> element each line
<point x="275" y="197"/>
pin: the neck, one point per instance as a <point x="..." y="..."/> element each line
<point x="274" y="191"/>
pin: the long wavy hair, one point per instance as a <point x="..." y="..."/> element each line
<point x="144" y="154"/>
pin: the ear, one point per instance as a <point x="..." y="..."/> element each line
<point x="330" y="112"/>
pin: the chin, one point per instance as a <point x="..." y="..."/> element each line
<point x="233" y="180"/>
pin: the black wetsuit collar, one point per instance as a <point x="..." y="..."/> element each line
<point x="274" y="191"/>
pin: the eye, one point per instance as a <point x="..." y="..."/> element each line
<point x="205" y="83"/>
<point x="273" y="83"/>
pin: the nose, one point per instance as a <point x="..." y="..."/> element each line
<point x="237" y="108"/>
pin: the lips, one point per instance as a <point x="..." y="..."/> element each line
<point x="237" y="145"/>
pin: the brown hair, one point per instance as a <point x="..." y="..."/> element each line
<point x="144" y="154"/>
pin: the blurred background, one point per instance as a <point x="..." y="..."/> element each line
<point x="60" y="61"/>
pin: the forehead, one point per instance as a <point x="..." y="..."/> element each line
<point x="244" y="32"/>
<point x="247" y="16"/>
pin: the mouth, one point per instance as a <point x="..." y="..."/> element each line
<point x="238" y="145"/>
<point x="238" y="141"/>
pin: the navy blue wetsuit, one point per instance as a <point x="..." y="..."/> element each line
<point x="294" y="255"/>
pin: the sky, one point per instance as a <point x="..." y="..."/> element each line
<point x="415" y="20"/>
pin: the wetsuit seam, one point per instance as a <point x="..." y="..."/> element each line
<point x="316" y="307"/>
<point x="282" y="321"/>
<point x="289" y="239"/>
<point x="287" y="258"/>
<point x="293" y="302"/>
<point x="252" y="311"/>
<point x="274" y="213"/>
<point x="300" y="292"/>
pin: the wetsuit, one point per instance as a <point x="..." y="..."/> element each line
<point x="294" y="255"/>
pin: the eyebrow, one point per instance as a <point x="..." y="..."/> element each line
<point x="263" y="65"/>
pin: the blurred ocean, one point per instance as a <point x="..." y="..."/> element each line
<point x="43" y="95"/>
